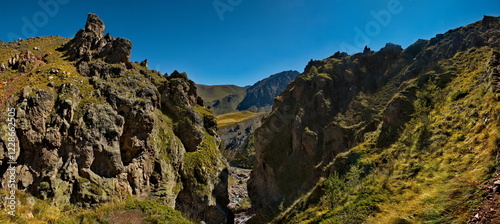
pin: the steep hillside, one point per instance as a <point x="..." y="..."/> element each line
<point x="256" y="98"/>
<point x="96" y="130"/>
<point x="222" y="98"/>
<point x="394" y="136"/>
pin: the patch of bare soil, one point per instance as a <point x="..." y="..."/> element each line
<point x="127" y="217"/>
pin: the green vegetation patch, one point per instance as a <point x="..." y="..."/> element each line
<point x="203" y="164"/>
<point x="32" y="210"/>
<point x="156" y="212"/>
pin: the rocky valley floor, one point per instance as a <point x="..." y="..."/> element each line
<point x="239" y="202"/>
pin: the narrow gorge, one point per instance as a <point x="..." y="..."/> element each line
<point x="398" y="135"/>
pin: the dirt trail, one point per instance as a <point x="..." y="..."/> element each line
<point x="489" y="211"/>
<point x="127" y="217"/>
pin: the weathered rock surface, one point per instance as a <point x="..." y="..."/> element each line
<point x="23" y="62"/>
<point x="91" y="43"/>
<point x="235" y="137"/>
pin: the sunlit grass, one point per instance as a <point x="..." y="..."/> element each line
<point x="35" y="211"/>
<point x="237" y="117"/>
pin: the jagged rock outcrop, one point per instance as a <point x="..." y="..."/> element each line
<point x="340" y="102"/>
<point x="114" y="130"/>
<point x="91" y="43"/>
<point x="179" y="96"/>
<point x="23" y="62"/>
<point x="494" y="72"/>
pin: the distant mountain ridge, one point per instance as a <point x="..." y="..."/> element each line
<point x="222" y="98"/>
<point x="260" y="96"/>
<point x="256" y="98"/>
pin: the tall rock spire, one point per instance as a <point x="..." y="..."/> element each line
<point x="91" y="43"/>
<point x="95" y="25"/>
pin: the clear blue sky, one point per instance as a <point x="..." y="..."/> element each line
<point x="246" y="40"/>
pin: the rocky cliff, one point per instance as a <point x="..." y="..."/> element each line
<point x="236" y="132"/>
<point x="93" y="127"/>
<point x="383" y="134"/>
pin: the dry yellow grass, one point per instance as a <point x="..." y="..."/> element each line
<point x="233" y="118"/>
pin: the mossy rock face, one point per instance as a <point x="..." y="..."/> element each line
<point x="205" y="185"/>
<point x="397" y="113"/>
<point x="89" y="193"/>
<point x="95" y="128"/>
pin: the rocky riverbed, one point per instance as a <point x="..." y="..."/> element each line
<point x="239" y="202"/>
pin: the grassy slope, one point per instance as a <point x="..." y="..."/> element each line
<point x="223" y="98"/>
<point x="35" y="211"/>
<point x="237" y="117"/>
<point x="433" y="172"/>
<point x="211" y="93"/>
<point x="40" y="76"/>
